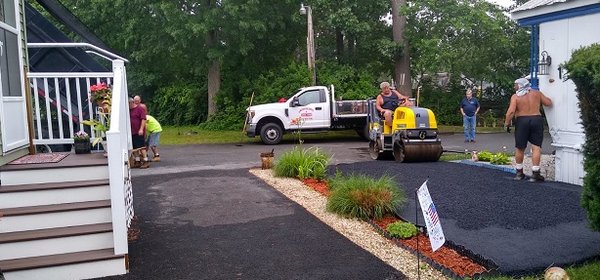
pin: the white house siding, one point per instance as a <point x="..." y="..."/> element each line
<point x="560" y="38"/>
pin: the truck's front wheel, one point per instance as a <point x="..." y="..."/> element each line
<point x="271" y="134"/>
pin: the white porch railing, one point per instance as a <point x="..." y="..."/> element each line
<point x="61" y="102"/>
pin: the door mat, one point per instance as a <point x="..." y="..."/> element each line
<point x="40" y="158"/>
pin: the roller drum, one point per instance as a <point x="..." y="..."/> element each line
<point x="424" y="152"/>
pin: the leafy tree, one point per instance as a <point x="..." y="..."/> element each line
<point x="217" y="53"/>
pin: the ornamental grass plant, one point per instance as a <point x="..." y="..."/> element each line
<point x="363" y="197"/>
<point x="302" y="163"/>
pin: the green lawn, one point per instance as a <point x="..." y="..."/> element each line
<point x="190" y="134"/>
<point x="182" y="135"/>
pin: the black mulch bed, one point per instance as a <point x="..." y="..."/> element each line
<point x="523" y="227"/>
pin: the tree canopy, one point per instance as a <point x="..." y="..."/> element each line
<point x="260" y="46"/>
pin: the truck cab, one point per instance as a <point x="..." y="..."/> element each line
<point x="307" y="109"/>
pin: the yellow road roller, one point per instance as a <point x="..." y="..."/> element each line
<point x="412" y="137"/>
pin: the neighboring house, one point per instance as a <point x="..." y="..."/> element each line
<point x="65" y="219"/>
<point x="559" y="27"/>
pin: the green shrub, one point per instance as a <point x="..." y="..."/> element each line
<point x="179" y="104"/>
<point x="402" y="230"/>
<point x="500" y="158"/>
<point x="484" y="156"/>
<point x="302" y="163"/>
<point x="494" y="158"/>
<point x="363" y="197"/>
<point x="584" y="70"/>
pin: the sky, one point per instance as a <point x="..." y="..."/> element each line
<point x="503" y="3"/>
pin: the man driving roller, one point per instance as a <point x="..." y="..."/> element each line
<point x="387" y="101"/>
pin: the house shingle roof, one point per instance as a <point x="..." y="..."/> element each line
<point x="537" y="3"/>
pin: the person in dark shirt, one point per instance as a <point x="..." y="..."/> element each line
<point x="137" y="116"/>
<point x="388" y="100"/>
<point x="469" y="107"/>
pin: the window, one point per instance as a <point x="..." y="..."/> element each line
<point x="310" y="97"/>
<point x="7" y="12"/>
<point x="9" y="64"/>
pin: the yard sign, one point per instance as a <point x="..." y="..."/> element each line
<point x="432" y="220"/>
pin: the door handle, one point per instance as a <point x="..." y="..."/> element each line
<point x="318" y="108"/>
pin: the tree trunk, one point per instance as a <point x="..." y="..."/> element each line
<point x="402" y="64"/>
<point x="214" y="84"/>
<point x="351" y="40"/>
<point x="339" y="46"/>
<point x="214" y="70"/>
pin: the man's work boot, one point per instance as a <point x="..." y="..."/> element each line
<point x="520" y="175"/>
<point x="536" y="177"/>
<point x="156" y="158"/>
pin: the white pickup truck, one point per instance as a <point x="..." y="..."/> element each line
<point x="309" y="110"/>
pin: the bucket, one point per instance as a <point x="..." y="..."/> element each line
<point x="267" y="160"/>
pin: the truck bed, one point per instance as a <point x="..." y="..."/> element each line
<point x="350" y="108"/>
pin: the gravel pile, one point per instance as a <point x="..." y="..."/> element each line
<point x="359" y="232"/>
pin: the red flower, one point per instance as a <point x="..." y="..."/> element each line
<point x="100" y="92"/>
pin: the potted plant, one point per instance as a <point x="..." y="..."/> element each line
<point x="81" y="142"/>
<point x="101" y="95"/>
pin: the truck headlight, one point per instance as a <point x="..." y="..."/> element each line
<point x="250" y="115"/>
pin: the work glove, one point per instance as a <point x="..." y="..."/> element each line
<point x="507" y="128"/>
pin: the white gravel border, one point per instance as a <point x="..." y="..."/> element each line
<point x="357" y="231"/>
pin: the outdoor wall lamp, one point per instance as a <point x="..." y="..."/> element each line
<point x="303" y="9"/>
<point x="544" y="63"/>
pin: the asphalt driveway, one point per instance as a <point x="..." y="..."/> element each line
<point x="203" y="216"/>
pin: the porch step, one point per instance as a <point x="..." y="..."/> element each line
<point x="72" y="168"/>
<point x="30" y="235"/>
<point x="34" y="243"/>
<point x="80" y="265"/>
<point x="57" y="215"/>
<point x="53" y="193"/>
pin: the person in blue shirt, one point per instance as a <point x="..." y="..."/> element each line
<point x="469" y="107"/>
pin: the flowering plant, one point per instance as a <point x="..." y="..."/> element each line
<point x="298" y="122"/>
<point x="100" y="93"/>
<point x="81" y="136"/>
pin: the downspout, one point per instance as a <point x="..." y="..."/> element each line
<point x="535" y="38"/>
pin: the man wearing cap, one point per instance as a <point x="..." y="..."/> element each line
<point x="529" y="125"/>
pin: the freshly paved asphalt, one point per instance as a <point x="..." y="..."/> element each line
<point x="228" y="224"/>
<point x="203" y="216"/>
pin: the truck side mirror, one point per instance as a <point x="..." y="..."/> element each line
<point x="295" y="102"/>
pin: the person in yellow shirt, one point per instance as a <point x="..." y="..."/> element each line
<point x="153" y="130"/>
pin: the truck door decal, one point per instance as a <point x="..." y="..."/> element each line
<point x="306" y="113"/>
